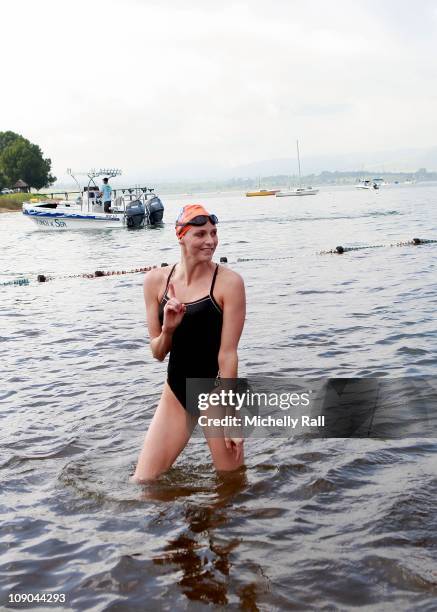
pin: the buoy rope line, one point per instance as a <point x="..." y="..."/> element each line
<point x="42" y="278"/>
<point x="339" y="250"/>
<point x="240" y="259"/>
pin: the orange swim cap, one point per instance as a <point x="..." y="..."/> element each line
<point x="187" y="213"/>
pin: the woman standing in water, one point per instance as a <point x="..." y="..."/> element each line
<point x="195" y="312"/>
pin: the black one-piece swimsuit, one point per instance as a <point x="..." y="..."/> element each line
<point x="196" y="342"/>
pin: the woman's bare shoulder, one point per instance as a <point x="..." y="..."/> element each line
<point x="154" y="278"/>
<point x="227" y="275"/>
<point x="229" y="285"/>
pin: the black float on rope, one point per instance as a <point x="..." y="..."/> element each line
<point x="423" y="241"/>
<point x="339" y="250"/>
<point x="164" y="264"/>
<point x="223" y="260"/>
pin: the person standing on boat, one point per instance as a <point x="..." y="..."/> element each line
<point x="195" y="311"/>
<point x="106" y="196"/>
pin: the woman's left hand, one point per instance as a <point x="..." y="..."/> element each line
<point x="235" y="445"/>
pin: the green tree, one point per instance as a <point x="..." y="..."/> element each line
<point x="20" y="159"/>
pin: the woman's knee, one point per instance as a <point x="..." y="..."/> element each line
<point x="151" y="468"/>
<point x="145" y="477"/>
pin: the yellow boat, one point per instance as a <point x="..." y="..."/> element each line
<point x="261" y="192"/>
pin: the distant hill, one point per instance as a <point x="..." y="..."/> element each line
<point x="377" y="163"/>
<point x="407" y="160"/>
<point x="400" y="160"/>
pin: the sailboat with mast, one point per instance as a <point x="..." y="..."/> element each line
<point x="261" y="192"/>
<point x="300" y="191"/>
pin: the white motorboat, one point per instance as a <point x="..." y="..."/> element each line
<point x="299" y="191"/>
<point x="132" y="207"/>
<point x="370" y="184"/>
<point x="364" y="185"/>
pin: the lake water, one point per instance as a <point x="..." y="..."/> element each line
<point x="327" y="524"/>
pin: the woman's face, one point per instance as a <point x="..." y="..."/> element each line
<point x="201" y="241"/>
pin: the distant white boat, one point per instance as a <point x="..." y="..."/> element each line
<point x="364" y="185"/>
<point x="299" y="191"/>
<point x="369" y="184"/>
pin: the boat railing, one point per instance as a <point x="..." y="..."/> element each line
<point x="123" y="197"/>
<point x="133" y="191"/>
<point x="66" y="195"/>
<point x="90" y="199"/>
<point x="56" y="194"/>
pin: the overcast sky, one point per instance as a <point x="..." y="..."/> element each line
<point x="152" y="85"/>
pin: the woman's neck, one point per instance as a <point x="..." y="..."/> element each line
<point x="191" y="270"/>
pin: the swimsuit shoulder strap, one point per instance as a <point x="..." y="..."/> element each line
<point x="168" y="281"/>
<point x="213" y="280"/>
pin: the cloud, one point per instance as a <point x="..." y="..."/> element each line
<point x="148" y="85"/>
<point x="323" y="109"/>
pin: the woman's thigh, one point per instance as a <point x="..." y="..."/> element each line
<point x="168" y="434"/>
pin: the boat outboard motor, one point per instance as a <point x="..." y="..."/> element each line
<point x="135" y="214"/>
<point x="154" y="210"/>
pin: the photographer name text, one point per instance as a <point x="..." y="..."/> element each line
<point x="258" y="421"/>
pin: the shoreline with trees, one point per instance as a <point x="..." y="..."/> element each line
<point x="325" y="178"/>
<point x="22" y="168"/>
<point x="13" y="202"/>
<point x="23" y="162"/>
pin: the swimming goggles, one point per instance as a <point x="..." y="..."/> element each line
<point x="199" y="220"/>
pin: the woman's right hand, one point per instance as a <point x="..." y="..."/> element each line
<point x="174" y="311"/>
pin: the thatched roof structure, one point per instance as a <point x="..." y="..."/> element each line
<point x="22" y="186"/>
